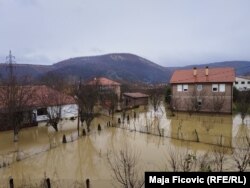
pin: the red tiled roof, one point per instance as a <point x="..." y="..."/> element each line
<point x="136" y="95"/>
<point x="44" y="95"/>
<point x="103" y="81"/>
<point x="220" y="75"/>
<point x="40" y="96"/>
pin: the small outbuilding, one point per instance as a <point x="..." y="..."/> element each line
<point x="131" y="100"/>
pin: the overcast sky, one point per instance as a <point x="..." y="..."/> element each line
<point x="167" y="32"/>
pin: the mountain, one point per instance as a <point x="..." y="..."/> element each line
<point x="21" y="70"/>
<point x="120" y="66"/>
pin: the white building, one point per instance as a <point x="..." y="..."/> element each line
<point x="67" y="111"/>
<point x="242" y="83"/>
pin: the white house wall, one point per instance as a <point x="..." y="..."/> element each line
<point x="240" y="86"/>
<point x="68" y="111"/>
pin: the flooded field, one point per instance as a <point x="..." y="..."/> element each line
<point x="40" y="152"/>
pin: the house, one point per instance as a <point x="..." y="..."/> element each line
<point x="242" y="83"/>
<point x="47" y="99"/>
<point x="106" y="85"/>
<point x="131" y="100"/>
<point x="203" y="90"/>
<point x="37" y="102"/>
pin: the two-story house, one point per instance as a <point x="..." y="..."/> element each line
<point x="106" y="85"/>
<point x="203" y="90"/>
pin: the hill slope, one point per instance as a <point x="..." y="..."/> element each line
<point x="126" y="67"/>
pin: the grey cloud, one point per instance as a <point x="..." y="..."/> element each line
<point x="169" y="32"/>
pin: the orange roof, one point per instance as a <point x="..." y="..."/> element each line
<point x="103" y="81"/>
<point x="136" y="95"/>
<point x="220" y="75"/>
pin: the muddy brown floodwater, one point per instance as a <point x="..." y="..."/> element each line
<point x="40" y="152"/>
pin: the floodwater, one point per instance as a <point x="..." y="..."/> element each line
<point x="40" y="152"/>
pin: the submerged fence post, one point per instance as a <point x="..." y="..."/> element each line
<point x="127" y="117"/>
<point x="83" y="132"/>
<point x="87" y="183"/>
<point x="48" y="183"/>
<point x="11" y="181"/>
<point x="64" y="139"/>
<point x="99" y="128"/>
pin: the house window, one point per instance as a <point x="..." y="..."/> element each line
<point x="215" y="87"/>
<point x="243" y="82"/>
<point x="222" y="88"/>
<point x="182" y="87"/>
<point x="248" y="82"/>
<point x="218" y="87"/>
<point x="236" y="82"/>
<point x="42" y="111"/>
<point x="185" y="87"/>
<point x="199" y="87"/>
<point x="199" y="102"/>
<point x="179" y="87"/>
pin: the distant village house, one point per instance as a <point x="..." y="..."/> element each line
<point x="242" y="83"/>
<point x="203" y="90"/>
<point x="131" y="100"/>
<point x="106" y="85"/>
<point x="46" y="98"/>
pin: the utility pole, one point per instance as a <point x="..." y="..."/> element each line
<point x="10" y="60"/>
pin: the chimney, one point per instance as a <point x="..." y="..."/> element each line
<point x="206" y="70"/>
<point x="194" y="71"/>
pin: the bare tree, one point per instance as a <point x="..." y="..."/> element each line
<point x="219" y="157"/>
<point x="110" y="101"/>
<point x="178" y="160"/>
<point x="168" y="92"/>
<point x="156" y="97"/>
<point x="53" y="96"/>
<point x="241" y="154"/>
<point x="242" y="104"/>
<point x="87" y="97"/>
<point x="125" y="167"/>
<point x="53" y="101"/>
<point x="15" y="99"/>
<point x="195" y="102"/>
<point x="173" y="162"/>
<point x="218" y="102"/>
<point x="204" y="162"/>
<point x="175" y="105"/>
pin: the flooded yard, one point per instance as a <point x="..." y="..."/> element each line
<point x="40" y="152"/>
